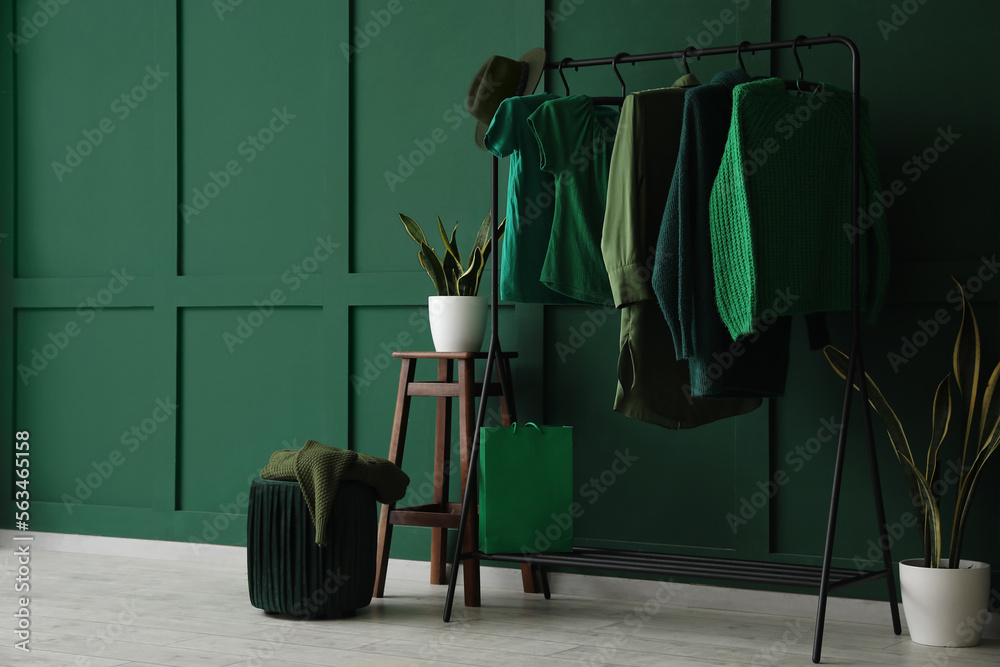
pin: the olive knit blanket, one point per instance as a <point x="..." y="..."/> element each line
<point x="320" y="469"/>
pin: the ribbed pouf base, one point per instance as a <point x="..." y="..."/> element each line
<point x="287" y="573"/>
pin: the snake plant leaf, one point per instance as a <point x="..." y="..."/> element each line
<point x="483" y="236"/>
<point x="921" y="490"/>
<point x="965" y="360"/>
<point x="454" y="244"/>
<point x="453" y="283"/>
<point x="966" y="492"/>
<point x="449" y="247"/>
<point x="413" y="229"/>
<point x="501" y="228"/>
<point x="432" y="264"/>
<point x="990" y="421"/>
<point x="840" y="363"/>
<point x="468" y="282"/>
<point x="452" y="268"/>
<point x="940" y="418"/>
<point x="932" y="524"/>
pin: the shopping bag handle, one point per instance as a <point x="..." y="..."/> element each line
<point x="514" y="425"/>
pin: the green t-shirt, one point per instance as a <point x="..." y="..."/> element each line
<point x="575" y="139"/>
<point x="530" y="202"/>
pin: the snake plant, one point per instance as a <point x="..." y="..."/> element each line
<point x="448" y="274"/>
<point x="923" y="476"/>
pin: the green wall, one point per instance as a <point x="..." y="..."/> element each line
<point x="223" y="273"/>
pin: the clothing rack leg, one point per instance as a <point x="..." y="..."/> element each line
<point x="887" y="562"/>
<point x="492" y="357"/>
<point x="467" y="492"/>
<point x="831" y="527"/>
<point x="508" y="412"/>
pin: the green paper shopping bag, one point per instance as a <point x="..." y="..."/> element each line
<point x="525" y="489"/>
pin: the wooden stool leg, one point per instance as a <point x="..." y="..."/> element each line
<point x="396" y="444"/>
<point x="442" y="464"/>
<point x="528" y="583"/>
<point x="467" y="423"/>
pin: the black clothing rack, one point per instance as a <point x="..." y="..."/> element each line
<point x="825" y="577"/>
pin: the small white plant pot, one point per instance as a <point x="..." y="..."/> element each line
<point x="944" y="606"/>
<point x="458" y="323"/>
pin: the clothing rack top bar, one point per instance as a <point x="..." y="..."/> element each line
<point x="692" y="52"/>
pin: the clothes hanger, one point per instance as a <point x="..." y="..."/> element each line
<point x="800" y="84"/>
<point x="687" y="68"/>
<point x="739" y="56"/>
<point x="562" y="63"/>
<point x="614" y="100"/>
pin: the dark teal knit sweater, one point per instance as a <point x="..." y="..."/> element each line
<point x="683" y="278"/>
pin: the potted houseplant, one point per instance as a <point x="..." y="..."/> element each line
<point x="457" y="314"/>
<point x="945" y="599"/>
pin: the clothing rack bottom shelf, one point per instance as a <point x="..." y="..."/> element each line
<point x="703" y="567"/>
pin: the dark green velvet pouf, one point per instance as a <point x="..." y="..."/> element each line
<point x="288" y="573"/>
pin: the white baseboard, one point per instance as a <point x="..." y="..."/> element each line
<point x="123" y="546"/>
<point x="614" y="588"/>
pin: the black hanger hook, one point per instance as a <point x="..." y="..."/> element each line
<point x="739" y="56"/>
<point x="562" y="76"/>
<point x="798" y="61"/>
<point x="614" y="66"/>
<point x="685" y="59"/>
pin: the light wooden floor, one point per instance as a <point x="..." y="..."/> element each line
<point x="100" y="611"/>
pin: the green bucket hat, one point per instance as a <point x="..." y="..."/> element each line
<point x="498" y="79"/>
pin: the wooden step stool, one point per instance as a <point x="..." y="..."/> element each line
<point x="441" y="514"/>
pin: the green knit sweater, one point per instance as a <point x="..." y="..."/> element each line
<point x="319" y="470"/>
<point x="780" y="210"/>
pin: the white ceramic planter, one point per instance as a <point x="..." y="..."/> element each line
<point x="943" y="606"/>
<point x="458" y="323"/>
